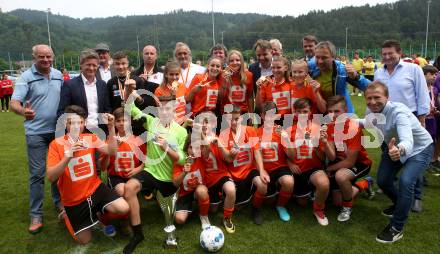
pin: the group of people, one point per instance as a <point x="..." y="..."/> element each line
<point x="6" y="90"/>
<point x="225" y="134"/>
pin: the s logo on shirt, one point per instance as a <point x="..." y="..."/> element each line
<point x="211" y="98"/>
<point x="269" y="150"/>
<point x="244" y="156"/>
<point x="81" y="167"/>
<point x="281" y="99"/>
<point x="124" y="160"/>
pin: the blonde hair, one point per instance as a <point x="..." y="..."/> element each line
<point x="302" y="63"/>
<point x="243" y="77"/>
<point x="286" y="62"/>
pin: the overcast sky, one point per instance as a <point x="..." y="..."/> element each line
<point x="99" y="8"/>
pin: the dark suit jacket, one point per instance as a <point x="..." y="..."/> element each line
<point x="256" y="73"/>
<point x="74" y="93"/>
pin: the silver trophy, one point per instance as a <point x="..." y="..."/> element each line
<point x="168" y="205"/>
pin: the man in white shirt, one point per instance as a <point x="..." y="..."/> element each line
<point x="87" y="91"/>
<point x="182" y="54"/>
<point x="105" y="70"/>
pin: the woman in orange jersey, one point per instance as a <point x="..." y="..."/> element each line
<point x="237" y="84"/>
<point x="170" y="86"/>
<point x="204" y="88"/>
<point x="276" y="88"/>
<point x="305" y="87"/>
<point x="188" y="178"/>
<point x="275" y="160"/>
<point x="307" y="149"/>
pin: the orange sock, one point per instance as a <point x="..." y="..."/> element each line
<point x="70" y="229"/>
<point x="283" y="197"/>
<point x="362" y="185"/>
<point x="203" y="206"/>
<point x="107" y="217"/>
<point x="257" y="199"/>
<point x="318" y="207"/>
<point x="227" y="212"/>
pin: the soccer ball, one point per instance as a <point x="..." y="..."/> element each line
<point x="212" y="239"/>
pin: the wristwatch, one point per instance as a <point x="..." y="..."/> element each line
<point x="402" y="151"/>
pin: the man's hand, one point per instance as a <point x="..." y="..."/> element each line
<point x="351" y="72"/>
<point x="393" y="150"/>
<point x="28" y="112"/>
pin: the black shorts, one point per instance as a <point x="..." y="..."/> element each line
<point x="358" y="170"/>
<point x="302" y="186"/>
<point x="112" y="181"/>
<point x="216" y="194"/>
<point x="150" y="184"/>
<point x="83" y="215"/>
<point x="185" y="203"/>
<point x="274" y="185"/>
<point x="245" y="188"/>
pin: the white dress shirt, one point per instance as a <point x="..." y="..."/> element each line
<point x="92" y="102"/>
<point x="106" y="74"/>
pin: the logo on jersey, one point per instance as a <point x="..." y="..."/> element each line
<point x="282" y="100"/>
<point x="269" y="150"/>
<point x="244" y="156"/>
<point x="237" y="94"/>
<point x="81" y="167"/>
<point x="124" y="160"/>
<point x="191" y="180"/>
<point x="305" y="151"/>
<point x="211" y="98"/>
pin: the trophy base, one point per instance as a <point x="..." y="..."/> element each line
<point x="170" y="244"/>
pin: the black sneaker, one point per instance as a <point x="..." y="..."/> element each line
<point x="389" y="235"/>
<point x="257" y="216"/>
<point x="389" y="211"/>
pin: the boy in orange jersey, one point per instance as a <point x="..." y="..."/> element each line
<point x="121" y="167"/>
<point x="215" y="172"/>
<point x="71" y="162"/>
<point x="188" y="178"/>
<point x="352" y="162"/>
<point x="247" y="168"/>
<point x="308" y="152"/>
<point x="275" y="161"/>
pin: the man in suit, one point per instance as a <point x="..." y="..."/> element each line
<point x="263" y="65"/>
<point x="105" y="70"/>
<point x="86" y="91"/>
